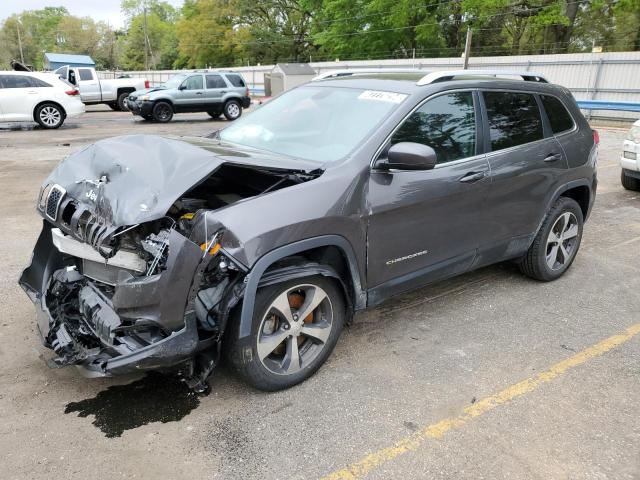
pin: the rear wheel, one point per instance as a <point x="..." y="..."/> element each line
<point x="232" y="110"/>
<point x="557" y="242"/>
<point x="295" y="327"/>
<point x="162" y="112"/>
<point x="629" y="182"/>
<point x="49" y="115"/>
<point x="122" y="101"/>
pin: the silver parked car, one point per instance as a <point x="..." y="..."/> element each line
<point x="216" y="93"/>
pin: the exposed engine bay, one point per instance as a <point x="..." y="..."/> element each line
<point x="116" y="298"/>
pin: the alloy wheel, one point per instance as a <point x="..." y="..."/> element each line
<point x="50" y="116"/>
<point x="562" y="241"/>
<point x="295" y="329"/>
<point x="233" y="110"/>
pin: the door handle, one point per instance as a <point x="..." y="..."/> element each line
<point x="552" y="157"/>
<point x="223" y="92"/>
<point x="472" y="177"/>
<point x="198" y="93"/>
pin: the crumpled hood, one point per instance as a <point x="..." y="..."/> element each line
<point x="143" y="176"/>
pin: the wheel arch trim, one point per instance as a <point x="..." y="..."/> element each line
<point x="255" y="275"/>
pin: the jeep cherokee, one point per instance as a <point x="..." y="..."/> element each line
<point x="259" y="243"/>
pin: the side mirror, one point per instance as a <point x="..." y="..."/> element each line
<point x="182" y="87"/>
<point x="409" y="156"/>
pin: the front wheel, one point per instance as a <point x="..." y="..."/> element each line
<point x="49" y="115"/>
<point x="162" y="112"/>
<point x="232" y="110"/>
<point x="214" y="113"/>
<point x="295" y="327"/>
<point x="557" y="242"/>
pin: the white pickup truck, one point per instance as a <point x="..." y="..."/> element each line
<point x="94" y="90"/>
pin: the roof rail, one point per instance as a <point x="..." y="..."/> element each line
<point x="445" y="75"/>
<point x="364" y="71"/>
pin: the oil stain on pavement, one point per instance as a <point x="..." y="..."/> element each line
<point x="154" y="398"/>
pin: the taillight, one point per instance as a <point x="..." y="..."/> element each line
<point x="596" y="137"/>
<point x="73" y="92"/>
<point x="146" y="84"/>
<point x="246" y="93"/>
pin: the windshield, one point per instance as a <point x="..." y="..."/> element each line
<point x="175" y="81"/>
<point x="321" y="124"/>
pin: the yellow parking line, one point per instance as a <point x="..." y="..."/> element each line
<point x="437" y="430"/>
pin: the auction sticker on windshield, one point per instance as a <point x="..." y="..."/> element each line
<point x="390" y="97"/>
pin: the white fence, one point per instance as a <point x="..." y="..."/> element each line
<point x="611" y="76"/>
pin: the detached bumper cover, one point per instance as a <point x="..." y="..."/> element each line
<point x="99" y="332"/>
<point x="140" y="108"/>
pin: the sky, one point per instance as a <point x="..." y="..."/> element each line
<point x="106" y="10"/>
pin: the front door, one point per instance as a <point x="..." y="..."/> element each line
<point x="191" y="95"/>
<point x="89" y="85"/>
<point x="426" y="225"/>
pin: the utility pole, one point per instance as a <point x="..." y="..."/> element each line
<point x="19" y="40"/>
<point x="467" y="49"/>
<point x="146" y="40"/>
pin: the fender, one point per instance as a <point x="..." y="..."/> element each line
<point x="581" y="182"/>
<point x="255" y="276"/>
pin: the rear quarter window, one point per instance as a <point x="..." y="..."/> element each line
<point x="514" y="119"/>
<point x="559" y="118"/>
<point x="236" y="80"/>
<point x="36" y="82"/>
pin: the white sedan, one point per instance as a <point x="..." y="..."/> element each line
<point x="37" y="97"/>
<point x="630" y="160"/>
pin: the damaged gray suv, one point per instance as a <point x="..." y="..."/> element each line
<point x="259" y="243"/>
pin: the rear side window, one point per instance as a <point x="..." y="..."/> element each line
<point x="85" y="74"/>
<point x="36" y="82"/>
<point x="514" y="119"/>
<point x="445" y="123"/>
<point x="193" y="83"/>
<point x="559" y="117"/>
<point x="215" y="81"/>
<point x="15" y="81"/>
<point x="236" y="80"/>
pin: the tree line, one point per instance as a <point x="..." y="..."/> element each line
<point x="220" y="33"/>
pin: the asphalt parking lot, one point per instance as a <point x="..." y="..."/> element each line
<point x="489" y="375"/>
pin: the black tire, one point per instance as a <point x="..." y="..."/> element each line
<point x="232" y="110"/>
<point x="243" y="355"/>
<point x="629" y="182"/>
<point x="162" y="112"/>
<point x="49" y="116"/>
<point x="122" y="104"/>
<point x="113" y="106"/>
<point x="214" y="113"/>
<point x="535" y="263"/>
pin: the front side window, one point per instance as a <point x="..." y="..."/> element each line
<point x="193" y="83"/>
<point x="559" y="118"/>
<point x="215" y="81"/>
<point x="236" y="80"/>
<point x="85" y="74"/>
<point x="445" y="123"/>
<point x="514" y="119"/>
<point x="15" y="81"/>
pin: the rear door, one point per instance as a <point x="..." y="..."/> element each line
<point x="89" y="85"/>
<point x="216" y="89"/>
<point x="191" y="95"/>
<point x="426" y="225"/>
<point x="526" y="163"/>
